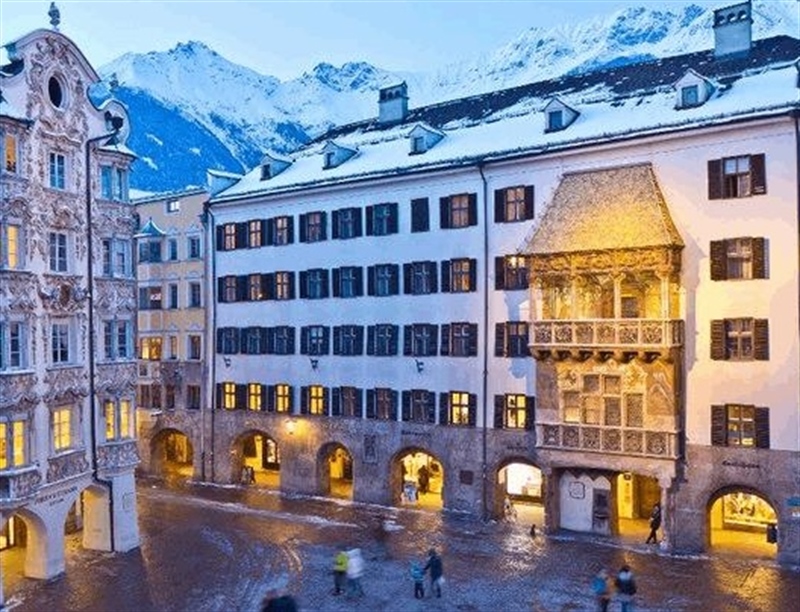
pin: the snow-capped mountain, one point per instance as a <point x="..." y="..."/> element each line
<point x="192" y="109"/>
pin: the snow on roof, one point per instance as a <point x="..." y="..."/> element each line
<point x="606" y="209"/>
<point x="224" y="173"/>
<point x="518" y="127"/>
<point x="150" y="230"/>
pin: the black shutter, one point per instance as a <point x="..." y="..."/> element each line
<point x="393" y="218"/>
<point x="371" y="340"/>
<point x="445" y="347"/>
<point x="444" y="405"/>
<point x="444" y="213"/>
<point x="406" y="407"/>
<point x="220" y="331"/>
<point x="221" y="289"/>
<point x="500" y="348"/>
<point x="269" y="234"/>
<point x="304" y="393"/>
<point x="529" y="210"/>
<point x="292" y="286"/>
<point x="219" y="396"/>
<point x="241" y="397"/>
<point x="270" y="340"/>
<point x="499" y="206"/>
<point x="759" y="248"/>
<point x="434" y="331"/>
<point x="393" y="413"/>
<point x="718" y="352"/>
<point x="472" y="408"/>
<point x="262" y="340"/>
<point x="473" y="340"/>
<point x="268" y="281"/>
<point x="359" y="340"/>
<point x="326" y="340"/>
<point x="758" y="174"/>
<point x="244" y="334"/>
<point x="241" y="288"/>
<point x="220" y="237"/>
<point x="394" y="280"/>
<point x="473" y="274"/>
<point x="304" y="332"/>
<point x="336" y="401"/>
<point x="499" y="411"/>
<point x="446" y="265"/>
<point x="370" y="210"/>
<point x="303" y="228"/>
<point x="270" y="397"/>
<point x="241" y="235"/>
<point x="394" y="339"/>
<point x="326" y="401"/>
<point x="303" y="284"/>
<point x="408" y="340"/>
<point x="323" y="221"/>
<point x="359" y="280"/>
<point x="430" y="401"/>
<point x="715" y="179"/>
<point x="336" y="289"/>
<point x="719" y="426"/>
<point x="530" y="412"/>
<point x="420" y="217"/>
<point x="719" y="260"/>
<point x="407" y="271"/>
<point x="370" y="280"/>
<point x="762" y="427"/>
<point x="337" y="340"/>
<point x="371" y="403"/>
<point x="291" y="340"/>
<point x="761" y="339"/>
<point x="290" y="230"/>
<point x="472" y="202"/>
<point x="357" y="226"/>
<point x="500" y="272"/>
<point x="335" y="221"/>
<point x="326" y="283"/>
<point x="264" y="232"/>
<point x="432" y="275"/>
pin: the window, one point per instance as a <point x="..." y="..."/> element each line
<point x="193" y="397"/>
<point x="314" y="402"/>
<point x="60" y="343"/>
<point x="228" y="340"/>
<point x="254" y="233"/>
<point x="284" y="285"/>
<point x="172" y="342"/>
<point x="315" y="340"/>
<point x="283" y="398"/>
<point x="106" y="182"/>
<point x="459" y="275"/>
<point x="193" y="247"/>
<point x="150" y="348"/>
<point x="195" y="291"/>
<point x="282" y="340"/>
<point x="173" y="295"/>
<point x="460" y="340"/>
<point x="382" y="404"/>
<point x="10" y="154"/>
<point x="255" y="291"/>
<point x="348" y="340"/>
<point x="511" y="339"/>
<point x="602" y="400"/>
<point x="254" y="340"/>
<point x="255" y="396"/>
<point x="11" y="252"/>
<point x="460" y="408"/>
<point x="738" y="258"/>
<point x="346" y="401"/>
<point x="382" y="280"/>
<point x="418" y="144"/>
<point x="155" y="395"/>
<point x="420" y="340"/>
<point x="117" y="416"/>
<point x="348" y="282"/>
<point x="195" y="347"/>
<point x="114" y="183"/>
<point x="266" y="172"/>
<point x="61" y="427"/>
<point x="122" y="185"/>
<point x="571" y="401"/>
<point x="555" y="120"/>
<point x="382" y="219"/>
<point x="118" y="340"/>
<point x="281" y="231"/>
<point x="419" y="406"/>
<point x="228" y="396"/>
<point x="737" y="177"/>
<point x="13" y="443"/>
<point x="419" y="278"/>
<point x="116" y="258"/>
<point x="58" y="252"/>
<point x="58" y="169"/>
<point x="150" y="298"/>
<point x="172" y="249"/>
<point x="743" y="339"/>
<point x="513" y="411"/>
<point x="740" y="425"/>
<point x="458" y="211"/>
<point x="312" y="227"/>
<point x="169" y="397"/>
<point x="314" y="284"/>
<point x="228" y="237"/>
<point x="511" y="273"/>
<point x="150" y="251"/>
<point x="347" y="223"/>
<point x="13" y="345"/>
<point x="382" y="340"/>
<point x="173" y="206"/>
<point x="690" y="96"/>
<point x="420" y="216"/>
<point x="513" y="204"/>
<point x="229" y="291"/>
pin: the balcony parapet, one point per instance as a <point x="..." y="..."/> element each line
<point x="609" y="440"/>
<point x="18" y="485"/>
<point x="117" y="455"/>
<point x="620" y="338"/>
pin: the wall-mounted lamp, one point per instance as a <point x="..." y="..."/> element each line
<point x="227" y="361"/>
<point x="314" y="363"/>
<point x="420" y="365"/>
<point x="291" y="426"/>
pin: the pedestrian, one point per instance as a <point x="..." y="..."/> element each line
<point x="355" y="570"/>
<point x="601" y="590"/>
<point x="339" y="572"/>
<point x="423" y="478"/>
<point x="418" y="576"/>
<point x="509" y="510"/>
<point x="626" y="588"/>
<point x="276" y="601"/>
<point x="436" y="568"/>
<point x="655" y="523"/>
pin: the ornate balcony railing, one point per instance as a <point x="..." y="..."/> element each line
<point x="18" y="484"/>
<point x="610" y="440"/>
<point x="117" y="455"/>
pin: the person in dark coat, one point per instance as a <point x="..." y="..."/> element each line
<point x="626" y="588"/>
<point x="278" y="602"/>
<point x="655" y="523"/>
<point x="436" y="568"/>
<point x="423" y="478"/>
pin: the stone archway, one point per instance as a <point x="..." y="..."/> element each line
<point x="335" y="471"/>
<point x="741" y="521"/>
<point x="171" y="454"/>
<point x="257" y="459"/>
<point x="416" y="478"/>
<point x="521" y="481"/>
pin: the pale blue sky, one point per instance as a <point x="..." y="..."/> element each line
<point x="285" y="39"/>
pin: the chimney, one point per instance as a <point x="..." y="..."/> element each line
<point x="733" y="30"/>
<point x="393" y="103"/>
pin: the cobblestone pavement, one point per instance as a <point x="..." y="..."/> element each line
<point x="209" y="548"/>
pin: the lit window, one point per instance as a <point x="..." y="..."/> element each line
<point x="316" y="399"/>
<point x="736" y="176"/>
<point x="283" y="398"/>
<point x="150" y="349"/>
<point x="10" y="246"/>
<point x="173" y="206"/>
<point x="254" y="232"/>
<point x="516" y="412"/>
<point x="254" y="397"/>
<point x="10" y="154"/>
<point x="13" y="444"/>
<point x="459" y="408"/>
<point x="229" y="395"/>
<point x="459" y="211"/>
<point x="62" y="428"/>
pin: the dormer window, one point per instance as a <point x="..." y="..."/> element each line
<point x="334" y="154"/>
<point x="422" y="138"/>
<point x="272" y="164"/>
<point x="555" y="120"/>
<point x="266" y="172"/>
<point x="690" y="96"/>
<point x="558" y="116"/>
<point x="330" y="159"/>
<point x="692" y="90"/>
<point x="418" y="144"/>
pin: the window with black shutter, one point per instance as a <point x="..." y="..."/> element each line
<point x="444" y="408"/>
<point x="420" y="216"/>
<point x="762" y="427"/>
<point x="500" y="348"/>
<point x="499" y="411"/>
<point x="738" y="258"/>
<point x="737" y="177"/>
